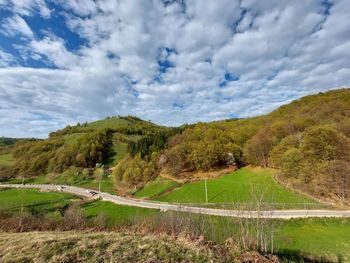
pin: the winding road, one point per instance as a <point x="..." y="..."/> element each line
<point x="282" y="214"/>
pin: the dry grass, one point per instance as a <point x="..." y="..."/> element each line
<point x="109" y="247"/>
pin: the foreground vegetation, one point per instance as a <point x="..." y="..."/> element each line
<point x="111" y="247"/>
<point x="317" y="239"/>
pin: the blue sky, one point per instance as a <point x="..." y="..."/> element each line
<point x="68" y="61"/>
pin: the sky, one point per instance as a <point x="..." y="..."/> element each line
<point x="171" y="62"/>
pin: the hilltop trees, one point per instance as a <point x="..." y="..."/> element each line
<point x="54" y="155"/>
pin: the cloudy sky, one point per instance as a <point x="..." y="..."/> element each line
<point x="64" y="61"/>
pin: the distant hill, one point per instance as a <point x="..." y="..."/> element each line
<point x="83" y="145"/>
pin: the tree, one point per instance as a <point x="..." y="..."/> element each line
<point x="290" y="162"/>
<point x="340" y="174"/>
<point x="257" y="149"/>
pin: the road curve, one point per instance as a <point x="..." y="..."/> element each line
<point x="282" y="214"/>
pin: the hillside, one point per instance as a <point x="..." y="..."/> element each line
<point x="308" y="141"/>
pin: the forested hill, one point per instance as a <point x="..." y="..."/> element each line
<point x="85" y="145"/>
<point x="307" y="140"/>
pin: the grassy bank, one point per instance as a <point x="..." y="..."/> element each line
<point x="155" y="187"/>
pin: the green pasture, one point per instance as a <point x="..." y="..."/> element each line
<point x="246" y="185"/>
<point x="14" y="199"/>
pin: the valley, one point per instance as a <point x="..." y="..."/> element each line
<point x="220" y="180"/>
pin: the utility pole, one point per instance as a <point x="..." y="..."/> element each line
<point x="206" y="191"/>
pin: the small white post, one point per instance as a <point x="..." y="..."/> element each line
<point x="206" y="191"/>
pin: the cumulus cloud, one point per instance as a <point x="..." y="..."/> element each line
<point x="169" y="61"/>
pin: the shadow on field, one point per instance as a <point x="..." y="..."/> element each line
<point x="218" y="194"/>
<point x="287" y="255"/>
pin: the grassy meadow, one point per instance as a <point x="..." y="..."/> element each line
<point x="245" y="185"/>
<point x="13" y="199"/>
<point x="116" y="214"/>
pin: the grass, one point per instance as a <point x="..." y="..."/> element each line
<point x="111" y="123"/>
<point x="6" y="159"/>
<point x="322" y="237"/>
<point x="12" y="199"/>
<point x="118" y="152"/>
<point x="99" y="247"/>
<point x="155" y="187"/>
<point x="242" y="186"/>
<point x="116" y="214"/>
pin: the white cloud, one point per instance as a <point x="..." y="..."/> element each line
<point x="16" y="25"/>
<point x="6" y="59"/>
<point x="167" y="63"/>
<point x="27" y="7"/>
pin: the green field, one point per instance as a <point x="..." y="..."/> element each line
<point x="13" y="199"/>
<point x="155" y="187"/>
<point x="116" y="214"/>
<point x="6" y="159"/>
<point x="246" y="185"/>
